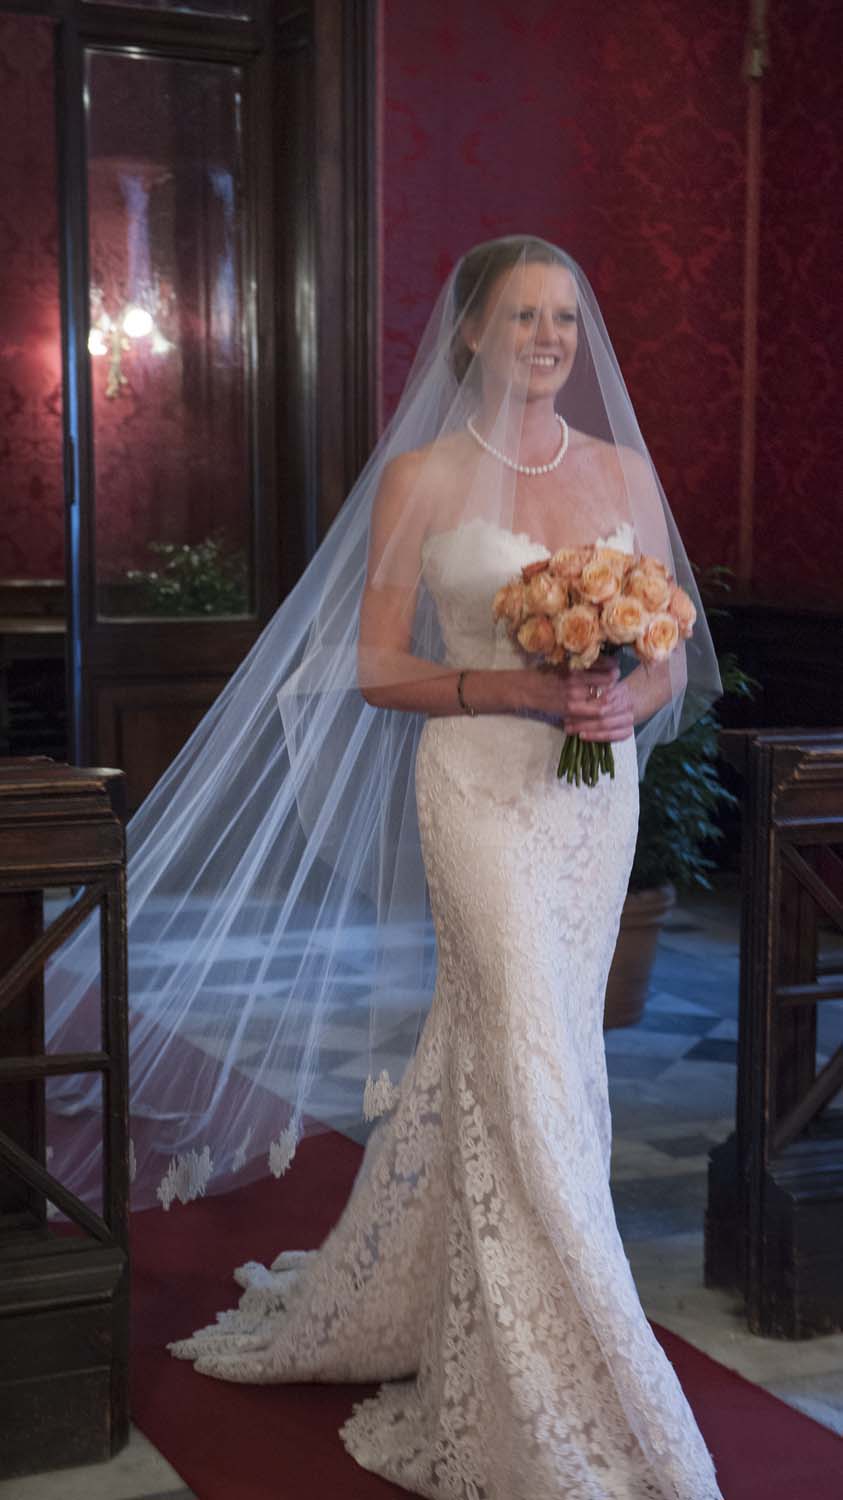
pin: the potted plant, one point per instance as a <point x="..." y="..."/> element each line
<point x="680" y="796"/>
<point x="202" y="578"/>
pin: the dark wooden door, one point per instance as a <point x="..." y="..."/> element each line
<point x="217" y="236"/>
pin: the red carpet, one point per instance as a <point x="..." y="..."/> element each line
<point x="280" y="1442"/>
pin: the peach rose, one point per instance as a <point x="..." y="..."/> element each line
<point x="619" y="562"/>
<point x="578" y="628"/>
<point x="536" y="634"/>
<point x="651" y="583"/>
<point x="530" y="570"/>
<point x="598" y="582"/>
<point x="624" y="619"/>
<point x="682" y="608"/>
<point x="659" y="638"/>
<point x="509" y="603"/>
<point x="546" y="595"/>
<point x="569" y="562"/>
<point x="558" y="657"/>
<point x="581" y="660"/>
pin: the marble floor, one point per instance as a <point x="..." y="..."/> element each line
<point x="672" y="1084"/>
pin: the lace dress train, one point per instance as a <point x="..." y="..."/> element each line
<point x="477" y="1268"/>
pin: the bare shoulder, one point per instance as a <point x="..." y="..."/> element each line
<point x="428" y="465"/>
<point x="427" y="479"/>
<point x="617" y="463"/>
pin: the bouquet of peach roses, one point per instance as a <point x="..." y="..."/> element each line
<point x="568" y="608"/>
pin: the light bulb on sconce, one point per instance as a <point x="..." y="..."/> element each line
<point x="117" y="336"/>
<point x="137" y="322"/>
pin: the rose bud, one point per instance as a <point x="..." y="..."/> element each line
<point x="624" y="619"/>
<point x="509" y="603"/>
<point x="683" y="610"/>
<point x="619" y="562"/>
<point x="536" y="634"/>
<point x="659" y="638"/>
<point x="598" y="582"/>
<point x="651" y="584"/>
<point x="578" y="628"/>
<point x="580" y="661"/>
<point x="569" y="562"/>
<point x="546" y="595"/>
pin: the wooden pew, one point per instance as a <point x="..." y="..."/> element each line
<point x="64" y="1283"/>
<point x="774" y="1220"/>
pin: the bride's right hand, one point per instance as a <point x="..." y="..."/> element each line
<point x="548" y="693"/>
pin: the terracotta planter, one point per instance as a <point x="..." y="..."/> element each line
<point x="642" y="918"/>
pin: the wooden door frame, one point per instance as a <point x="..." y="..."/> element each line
<point x="325" y="71"/>
<point x="312" y="256"/>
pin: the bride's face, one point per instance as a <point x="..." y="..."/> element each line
<point x="526" y="333"/>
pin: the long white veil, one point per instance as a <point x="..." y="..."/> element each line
<point x="281" y="956"/>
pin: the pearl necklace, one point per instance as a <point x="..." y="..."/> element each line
<point x="524" y="468"/>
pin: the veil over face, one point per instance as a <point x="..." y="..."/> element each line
<point x="280" y="944"/>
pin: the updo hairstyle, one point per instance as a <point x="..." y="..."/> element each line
<point x="476" y="274"/>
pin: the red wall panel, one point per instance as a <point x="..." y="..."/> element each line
<point x="31" y="492"/>
<point x="619" y="132"/>
<point x="798" y="532"/>
<point x="615" y="130"/>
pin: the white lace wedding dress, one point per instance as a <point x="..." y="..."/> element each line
<point x="477" y="1267"/>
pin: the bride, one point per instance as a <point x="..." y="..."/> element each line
<point x="477" y="1268"/>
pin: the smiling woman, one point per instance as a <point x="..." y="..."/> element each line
<point x="301" y="884"/>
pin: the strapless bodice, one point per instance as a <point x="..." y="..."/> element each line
<point x="463" y="569"/>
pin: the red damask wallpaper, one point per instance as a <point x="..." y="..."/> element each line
<point x="31" y="491"/>
<point x="619" y="131"/>
<point x="798" y="533"/>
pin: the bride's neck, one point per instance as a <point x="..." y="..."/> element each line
<point x="528" y="432"/>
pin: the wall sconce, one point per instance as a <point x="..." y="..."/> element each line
<point x="116" y="336"/>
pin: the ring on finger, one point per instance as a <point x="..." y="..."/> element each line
<point x="594" y="692"/>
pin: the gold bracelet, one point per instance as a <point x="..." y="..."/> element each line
<point x="466" y="707"/>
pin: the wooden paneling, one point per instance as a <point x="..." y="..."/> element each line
<point x="140" y="726"/>
<point x="794" y="653"/>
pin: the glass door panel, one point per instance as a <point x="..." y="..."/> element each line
<point x="168" y="337"/>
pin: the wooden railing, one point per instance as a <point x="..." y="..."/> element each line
<point x="774" y="1223"/>
<point x="63" y="1286"/>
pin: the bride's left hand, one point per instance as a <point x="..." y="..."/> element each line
<point x="609" y="717"/>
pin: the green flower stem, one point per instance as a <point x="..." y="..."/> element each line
<point x="585" y="760"/>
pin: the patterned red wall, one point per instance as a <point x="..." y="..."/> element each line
<point x="618" y="131"/>
<point x="31" y="494"/>
<point x="798" y="533"/>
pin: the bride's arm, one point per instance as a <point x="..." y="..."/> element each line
<point x="390" y="676"/>
<point x="652" y="685"/>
